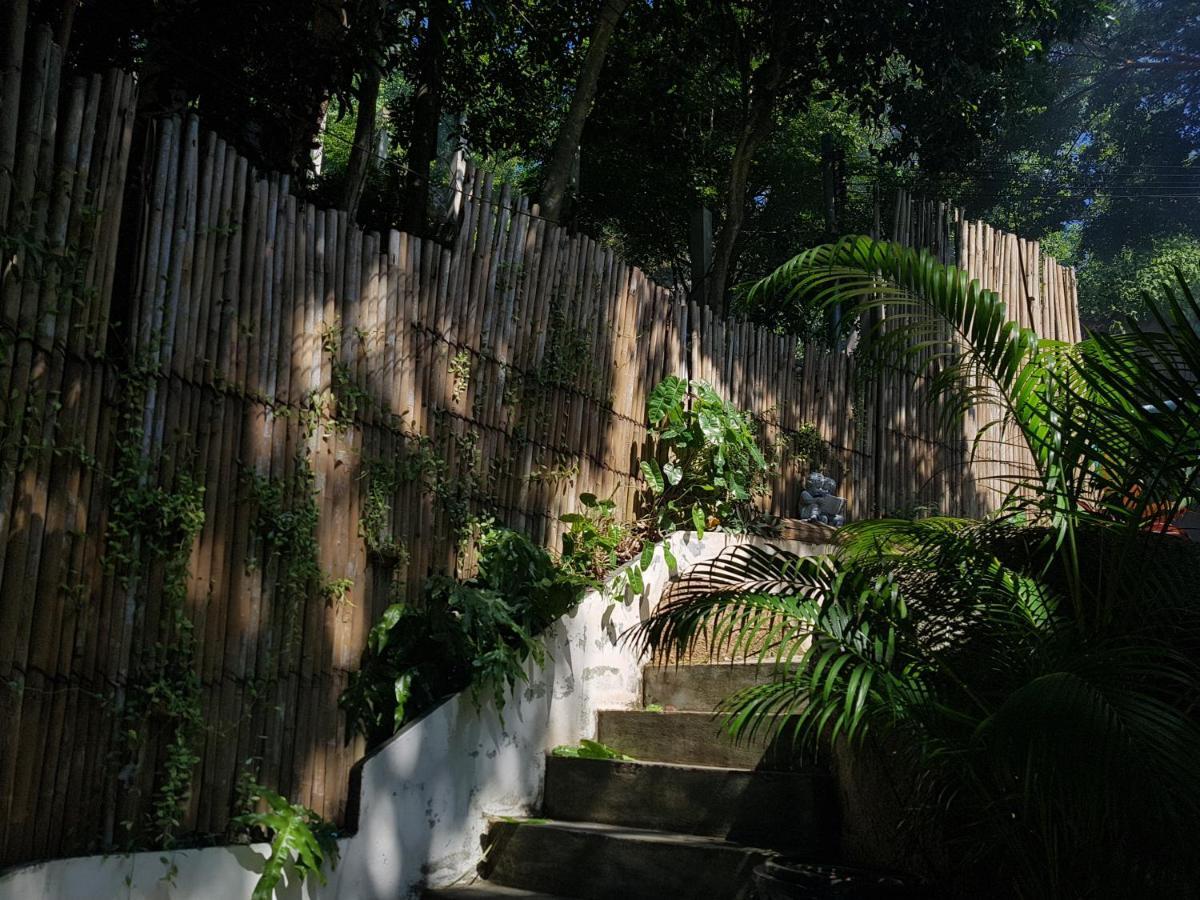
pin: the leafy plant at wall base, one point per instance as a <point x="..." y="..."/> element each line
<point x="476" y="635"/>
<point x="715" y="465"/>
<point x="592" y="545"/>
<point x="300" y="839"/>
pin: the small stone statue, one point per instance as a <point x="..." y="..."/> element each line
<point x="820" y="503"/>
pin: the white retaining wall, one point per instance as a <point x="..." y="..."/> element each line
<point x="426" y="793"/>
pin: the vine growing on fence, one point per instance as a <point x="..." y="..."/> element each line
<point x="150" y="525"/>
<point x="382" y="481"/>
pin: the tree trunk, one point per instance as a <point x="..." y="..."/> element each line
<point x="427" y="111"/>
<point x="558" y="171"/>
<point x="757" y="126"/>
<point x="362" y="153"/>
<point x="328" y="23"/>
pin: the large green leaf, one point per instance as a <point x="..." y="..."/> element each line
<point x="666" y="396"/>
<point x="653" y="475"/>
<point x="300" y="839"/>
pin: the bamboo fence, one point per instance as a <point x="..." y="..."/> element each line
<point x="327" y="385"/>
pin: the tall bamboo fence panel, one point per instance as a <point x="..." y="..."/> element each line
<point x="236" y="426"/>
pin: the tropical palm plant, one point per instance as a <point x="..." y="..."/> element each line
<point x="1035" y="672"/>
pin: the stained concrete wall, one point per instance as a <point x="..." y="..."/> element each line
<point x="425" y="794"/>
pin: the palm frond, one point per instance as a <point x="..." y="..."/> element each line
<point x="746" y="601"/>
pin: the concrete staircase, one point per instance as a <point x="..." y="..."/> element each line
<point x="691" y="818"/>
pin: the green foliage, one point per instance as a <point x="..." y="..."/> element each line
<point x="144" y="517"/>
<point x="262" y="85"/>
<point x="715" y="465"/>
<point x="1101" y="163"/>
<point x="512" y="566"/>
<point x="375" y="523"/>
<point x="567" y="359"/>
<point x="807" y="444"/>
<point x="460" y="371"/>
<point x="1112" y="290"/>
<point x="1033" y="676"/>
<point x="150" y="525"/>
<point x="300" y="840"/>
<point x="286" y="522"/>
<point x="475" y="635"/>
<point x="346" y="400"/>
<point x="30" y="257"/>
<point x="1035" y="747"/>
<point x="1090" y="413"/>
<point x="589" y="750"/>
<point x="591" y="547"/>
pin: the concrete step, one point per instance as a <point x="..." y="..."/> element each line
<point x="483" y="890"/>
<point x="792" y="811"/>
<point x="699" y="687"/>
<point x="687" y="738"/>
<point x="602" y="862"/>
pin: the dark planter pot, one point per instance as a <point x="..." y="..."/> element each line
<point x="784" y="879"/>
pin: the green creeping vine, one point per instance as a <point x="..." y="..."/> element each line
<point x="346" y="401"/>
<point x="567" y="360"/>
<point x="287" y="523"/>
<point x="375" y="525"/>
<point x="460" y="370"/>
<point x="419" y="463"/>
<point x="300" y="838"/>
<point x="30" y="258"/>
<point x="807" y="444"/>
<point x="149" y="525"/>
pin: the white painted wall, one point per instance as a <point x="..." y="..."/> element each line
<point x="426" y="793"/>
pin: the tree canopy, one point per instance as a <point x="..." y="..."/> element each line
<point x="622" y="118"/>
<point x="1103" y="158"/>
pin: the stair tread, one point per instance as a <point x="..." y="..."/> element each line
<point x="696" y="767"/>
<point x="700" y="686"/>
<point x="761" y="807"/>
<point x="626" y="832"/>
<point x="602" y="861"/>
<point x="485" y="890"/>
<point x="690" y="737"/>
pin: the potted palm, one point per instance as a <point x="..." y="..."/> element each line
<point x="1034" y="673"/>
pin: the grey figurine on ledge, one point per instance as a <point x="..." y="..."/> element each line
<point x="820" y="503"/>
